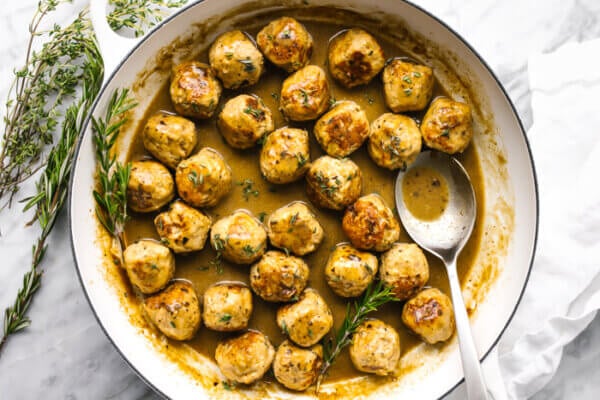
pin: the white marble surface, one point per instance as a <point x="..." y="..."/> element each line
<point x="65" y="355"/>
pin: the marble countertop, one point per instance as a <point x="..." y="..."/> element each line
<point x="65" y="355"/>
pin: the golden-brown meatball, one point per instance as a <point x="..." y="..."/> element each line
<point x="183" y="228"/>
<point x="394" y="142"/>
<point x="375" y="348"/>
<point x="354" y="57"/>
<point x="204" y="178"/>
<point x="407" y="86"/>
<point x="297" y="368"/>
<point x="245" y="358"/>
<point x="307" y="320"/>
<point x="195" y="91"/>
<point x="349" y="271"/>
<point x="305" y="94"/>
<point x="169" y="138"/>
<point x="279" y="277"/>
<point x="447" y="125"/>
<point x="286" y="43"/>
<point x="149" y="265"/>
<point x="236" y="60"/>
<point x="404" y="268"/>
<point x="430" y="315"/>
<point x="175" y="311"/>
<point x="227" y="306"/>
<point x="285" y="155"/>
<point x="244" y="120"/>
<point x="150" y="186"/>
<point x="333" y="183"/>
<point x="343" y="129"/>
<point x="370" y="224"/>
<point x="240" y="237"/>
<point x="295" y="227"/>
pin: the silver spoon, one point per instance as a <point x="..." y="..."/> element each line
<point x="445" y="237"/>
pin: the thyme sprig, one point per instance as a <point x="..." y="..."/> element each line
<point x="139" y="15"/>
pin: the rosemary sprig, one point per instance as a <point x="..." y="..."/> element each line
<point x="139" y="14"/>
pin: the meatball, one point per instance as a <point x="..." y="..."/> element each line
<point x="354" y="57"/>
<point x="297" y="368"/>
<point x="175" y="311"/>
<point x="285" y="155"/>
<point x="407" y="86"/>
<point x="236" y="60"/>
<point x="245" y="358"/>
<point x="295" y="227"/>
<point x="375" y="348"/>
<point x="343" y="129"/>
<point x="370" y="224"/>
<point x="240" y="237"/>
<point x="307" y="320"/>
<point x="286" y="43"/>
<point x="194" y="90"/>
<point x="244" y="121"/>
<point x="333" y="183"/>
<point x="169" y="138"/>
<point x="430" y="315"/>
<point x="227" y="306"/>
<point x="150" y="186"/>
<point x="349" y="271"/>
<point x="183" y="228"/>
<point x="447" y="126"/>
<point x="395" y="141"/>
<point x="279" y="277"/>
<point x="404" y="268"/>
<point x="150" y="265"/>
<point x="204" y="178"/>
<point x="305" y="94"/>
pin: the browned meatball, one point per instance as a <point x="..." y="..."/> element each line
<point x="244" y="120"/>
<point x="183" y="228"/>
<point x="285" y="155"/>
<point x="149" y="265"/>
<point x="240" y="237"/>
<point x="447" y="126"/>
<point x="286" y="43"/>
<point x="375" y="348"/>
<point x="430" y="315"/>
<point x="227" y="306"/>
<point x="333" y="183"/>
<point x="407" y="86"/>
<point x="343" y="129"/>
<point x="370" y="224"/>
<point x="245" y="358"/>
<point x="354" y="57"/>
<point x="349" y="271"/>
<point x="195" y="91"/>
<point x="279" y="277"/>
<point x="297" y="368"/>
<point x="404" y="268"/>
<point x="305" y="94"/>
<point x="150" y="186"/>
<point x="395" y="141"/>
<point x="169" y="138"/>
<point x="295" y="227"/>
<point x="236" y="60"/>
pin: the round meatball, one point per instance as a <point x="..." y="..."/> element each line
<point x="343" y="129"/>
<point x="149" y="265"/>
<point x="370" y="224"/>
<point x="175" y="311"/>
<point x="244" y="121"/>
<point x="240" y="237"/>
<point x="245" y="358"/>
<point x="447" y="126"/>
<point x="354" y="57"/>
<point x="295" y="227"/>
<point x="236" y="60"/>
<point x="204" y="178"/>
<point x="297" y="368"/>
<point x="333" y="183"/>
<point x="286" y="43"/>
<point x="285" y="155"/>
<point x="349" y="271"/>
<point x="307" y="320"/>
<point x="279" y="277"/>
<point x="407" y="86"/>
<point x="227" y="306"/>
<point x="404" y="268"/>
<point x="150" y="186"/>
<point x="430" y="315"/>
<point x="395" y="141"/>
<point x="183" y="228"/>
<point x="375" y="348"/>
<point x="305" y="94"/>
<point x="169" y="138"/>
<point x="195" y="90"/>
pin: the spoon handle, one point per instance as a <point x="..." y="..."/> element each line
<point x="476" y="388"/>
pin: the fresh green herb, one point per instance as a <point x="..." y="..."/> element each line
<point x="219" y="245"/>
<point x="284" y="328"/>
<point x="248" y="189"/>
<point x="139" y="15"/>
<point x="416" y="74"/>
<point x="153" y="266"/>
<point x="261" y="216"/>
<point x="225" y="318"/>
<point x="325" y="184"/>
<point x="227" y="385"/>
<point x="248" y="65"/>
<point x="332" y="101"/>
<point x="250" y="251"/>
<point x="445" y="133"/>
<point x="172" y="324"/>
<point x="407" y="92"/>
<point x="229" y="55"/>
<point x="195" y="178"/>
<point x="294" y="218"/>
<point x="275" y="96"/>
<point x="257" y="113"/>
<point x="407" y="79"/>
<point x="301" y="160"/>
<point x="304" y="95"/>
<point x="285" y="34"/>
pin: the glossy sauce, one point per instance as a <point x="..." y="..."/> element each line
<point x="425" y="193"/>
